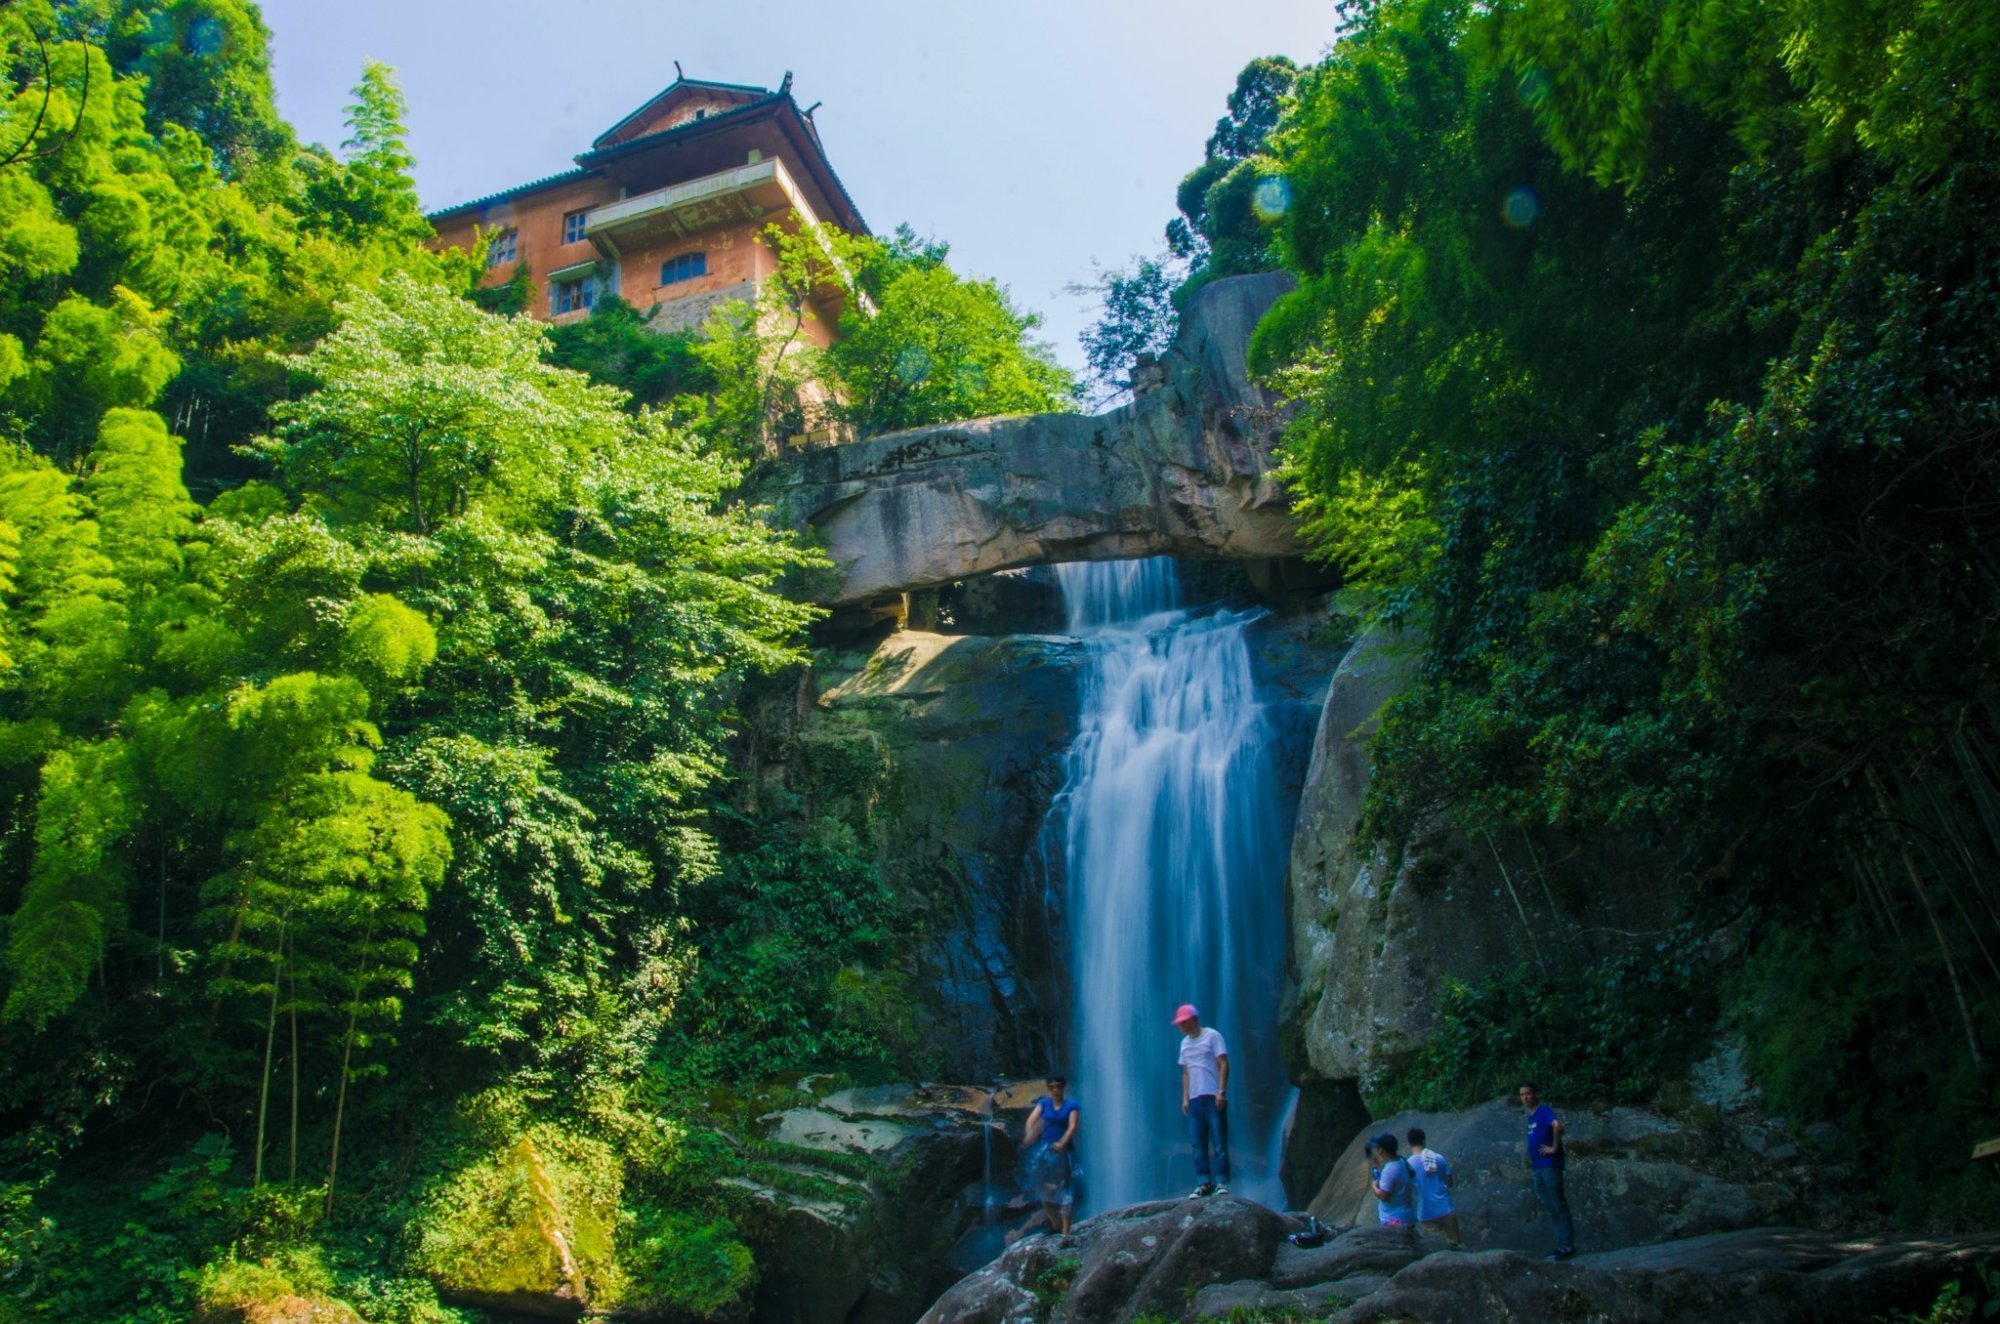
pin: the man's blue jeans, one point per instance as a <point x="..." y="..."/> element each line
<point x="1549" y="1190"/>
<point x="1208" y="1123"/>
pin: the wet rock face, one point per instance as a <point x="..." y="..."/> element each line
<point x="1184" y="470"/>
<point x="1223" y="1258"/>
<point x="974" y="729"/>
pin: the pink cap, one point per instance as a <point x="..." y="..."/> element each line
<point x="1186" y="1013"/>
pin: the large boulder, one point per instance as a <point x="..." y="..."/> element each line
<point x="259" y="1292"/>
<point x="1376" y="935"/>
<point x="1184" y="470"/>
<point x="1768" y="1276"/>
<point x="527" y="1226"/>
<point x="1144" y="1260"/>
<point x="852" y="1199"/>
<point x="1633" y="1177"/>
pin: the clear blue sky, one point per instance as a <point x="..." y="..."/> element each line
<point x="1035" y="136"/>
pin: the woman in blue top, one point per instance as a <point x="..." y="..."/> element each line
<point x="1389" y="1178"/>
<point x="1050" y="1146"/>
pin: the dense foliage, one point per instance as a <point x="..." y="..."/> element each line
<point x="391" y="780"/>
<point x="1647" y="365"/>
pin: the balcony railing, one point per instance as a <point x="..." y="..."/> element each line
<point x="747" y="192"/>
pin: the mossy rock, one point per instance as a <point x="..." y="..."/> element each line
<point x="247" y="1292"/>
<point x="527" y="1227"/>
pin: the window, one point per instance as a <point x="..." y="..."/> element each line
<point x="501" y="249"/>
<point x="569" y="295"/>
<point x="573" y="226"/>
<point x="685" y="267"/>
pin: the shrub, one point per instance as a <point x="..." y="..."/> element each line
<point x="682" y="1262"/>
<point x="1593" y="1031"/>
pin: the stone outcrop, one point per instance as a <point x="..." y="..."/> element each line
<point x="1374" y="939"/>
<point x="1225" y="1258"/>
<point x="856" y="1198"/>
<point x="1184" y="470"/>
<point x="1634" y="1177"/>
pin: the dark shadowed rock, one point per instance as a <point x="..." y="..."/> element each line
<point x="1365" y="1249"/>
<point x="1767" y="1276"/>
<point x="973" y="730"/>
<point x="1188" y="1260"/>
<point x="1148" y="1259"/>
<point x="1184" y="470"/>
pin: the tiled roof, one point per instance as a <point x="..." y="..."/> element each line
<point x="560" y="177"/>
<point x="692" y="127"/>
<point x="587" y="162"/>
<point x="661" y="95"/>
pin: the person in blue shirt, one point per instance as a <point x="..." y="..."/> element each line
<point x="1389" y="1178"/>
<point x="1545" y="1167"/>
<point x="1430" y="1171"/>
<point x="1050" y="1145"/>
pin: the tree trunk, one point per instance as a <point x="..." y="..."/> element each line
<point x="292" y="1168"/>
<point x="1937" y="925"/>
<point x="346" y="1056"/>
<point x="264" y="1090"/>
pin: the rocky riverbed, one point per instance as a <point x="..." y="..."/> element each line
<point x="1226" y="1258"/>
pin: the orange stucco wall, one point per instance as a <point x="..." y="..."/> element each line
<point x="537" y="223"/>
<point x="736" y="254"/>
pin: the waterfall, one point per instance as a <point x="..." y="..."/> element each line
<point x="1172" y="841"/>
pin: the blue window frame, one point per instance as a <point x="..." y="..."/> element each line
<point x="569" y="295"/>
<point x="685" y="267"/>
<point x="501" y="249"/>
<point x="573" y="225"/>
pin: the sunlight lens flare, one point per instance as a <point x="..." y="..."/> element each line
<point x="1521" y="209"/>
<point x="1272" y="198"/>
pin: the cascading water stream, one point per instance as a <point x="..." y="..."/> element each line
<point x="1172" y="843"/>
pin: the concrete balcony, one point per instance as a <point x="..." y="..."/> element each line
<point x="746" y="193"/>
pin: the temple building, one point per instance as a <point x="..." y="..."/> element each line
<point x="666" y="207"/>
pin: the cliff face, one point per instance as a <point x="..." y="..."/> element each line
<point x="1376" y="935"/>
<point x="972" y="731"/>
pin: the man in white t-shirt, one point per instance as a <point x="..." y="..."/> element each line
<point x="1205" y="1098"/>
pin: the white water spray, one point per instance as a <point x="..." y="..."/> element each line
<point x="1173" y="841"/>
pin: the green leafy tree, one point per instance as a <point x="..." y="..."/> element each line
<point x="373" y="198"/>
<point x="615" y="346"/>
<point x="1224" y="228"/>
<point x="427" y="405"/>
<point x="1138" y="318"/>
<point x="937" y="347"/>
<point x="1624" y="356"/>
